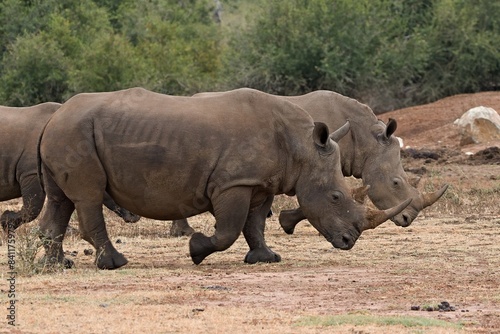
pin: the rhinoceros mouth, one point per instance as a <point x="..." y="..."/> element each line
<point x="343" y="242"/>
<point x="405" y="218"/>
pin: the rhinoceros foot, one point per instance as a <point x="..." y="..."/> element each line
<point x="180" y="228"/>
<point x="200" y="246"/>
<point x="131" y="218"/>
<point x="262" y="255"/>
<point x="10" y="220"/>
<point x="110" y="259"/>
<point x="53" y="262"/>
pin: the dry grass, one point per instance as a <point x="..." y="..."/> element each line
<point x="451" y="252"/>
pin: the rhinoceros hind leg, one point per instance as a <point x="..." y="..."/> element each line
<point x="126" y="215"/>
<point x="65" y="262"/>
<point x="54" y="222"/>
<point x="262" y="255"/>
<point x="180" y="227"/>
<point x="93" y="230"/>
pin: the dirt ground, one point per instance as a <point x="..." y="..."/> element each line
<point x="394" y="280"/>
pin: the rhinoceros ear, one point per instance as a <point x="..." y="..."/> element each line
<point x="321" y="135"/>
<point x="391" y="127"/>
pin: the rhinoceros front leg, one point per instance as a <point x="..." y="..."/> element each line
<point x="54" y="222"/>
<point x="33" y="199"/>
<point x="254" y="235"/>
<point x="180" y="227"/>
<point x="290" y="218"/>
<point x="93" y="229"/>
<point x="230" y="211"/>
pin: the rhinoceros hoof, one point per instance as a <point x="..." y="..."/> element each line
<point x="131" y="218"/>
<point x="68" y="264"/>
<point x="114" y="260"/>
<point x="53" y="262"/>
<point x="10" y="220"/>
<point x="177" y="232"/>
<point x="200" y="247"/>
<point x="262" y="255"/>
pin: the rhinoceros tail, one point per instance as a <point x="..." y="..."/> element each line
<point x="39" y="157"/>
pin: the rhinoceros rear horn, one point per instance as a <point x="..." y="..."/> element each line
<point x="340" y="132"/>
<point x="430" y="198"/>
<point x="376" y="217"/>
<point x="414" y="181"/>
<point x="359" y="194"/>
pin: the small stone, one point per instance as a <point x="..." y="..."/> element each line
<point x="445" y="304"/>
<point x="415" y="308"/>
<point x="88" y="251"/>
<point x="118" y="241"/>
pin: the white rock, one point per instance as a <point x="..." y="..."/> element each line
<point x="479" y="125"/>
<point x="400" y="140"/>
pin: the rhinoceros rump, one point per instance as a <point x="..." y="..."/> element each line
<point x="20" y="129"/>
<point x="166" y="157"/>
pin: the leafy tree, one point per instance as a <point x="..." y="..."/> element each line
<point x="178" y="42"/>
<point x="464" y="52"/>
<point x="33" y="77"/>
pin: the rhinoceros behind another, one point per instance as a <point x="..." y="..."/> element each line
<point x="167" y="157"/>
<point x="370" y="152"/>
<point x="20" y="129"/>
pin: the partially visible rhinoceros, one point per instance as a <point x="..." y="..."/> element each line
<point x="369" y="152"/>
<point x="167" y="157"/>
<point x="20" y="129"/>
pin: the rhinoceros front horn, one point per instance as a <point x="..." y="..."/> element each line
<point x="376" y="217"/>
<point x="430" y="198"/>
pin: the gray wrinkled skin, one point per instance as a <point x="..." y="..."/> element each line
<point x="166" y="157"/>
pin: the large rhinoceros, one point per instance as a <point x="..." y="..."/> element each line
<point x="20" y="129"/>
<point x="370" y="152"/>
<point x="167" y="157"/>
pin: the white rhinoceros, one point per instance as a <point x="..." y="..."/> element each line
<point x="166" y="157"/>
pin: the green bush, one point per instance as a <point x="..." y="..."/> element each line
<point x="389" y="54"/>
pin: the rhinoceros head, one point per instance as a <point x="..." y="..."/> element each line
<point x="326" y="200"/>
<point x="389" y="184"/>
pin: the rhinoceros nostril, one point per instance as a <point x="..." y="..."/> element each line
<point x="406" y="219"/>
<point x="346" y="239"/>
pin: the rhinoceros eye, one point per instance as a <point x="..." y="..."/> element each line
<point x="337" y="196"/>
<point x="396" y="182"/>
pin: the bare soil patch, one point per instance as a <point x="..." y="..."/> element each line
<point x="451" y="253"/>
